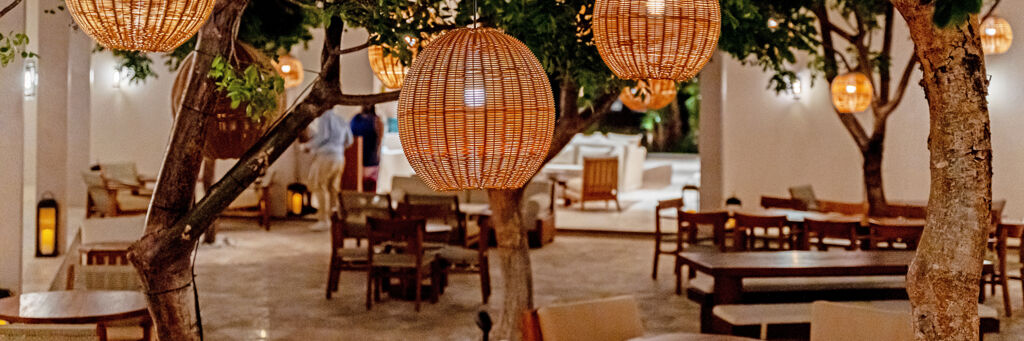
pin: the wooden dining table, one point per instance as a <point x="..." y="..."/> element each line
<point x="690" y="337"/>
<point x="77" y="307"/>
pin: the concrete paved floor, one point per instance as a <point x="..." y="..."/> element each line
<point x="270" y="286"/>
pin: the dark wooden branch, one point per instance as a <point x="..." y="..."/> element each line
<point x="572" y="122"/>
<point x="856" y="130"/>
<point x="356" y="48"/>
<point x="9" y="7"/>
<point x="901" y="89"/>
<point x="885" y="76"/>
<point x="357" y="100"/>
<point x="991" y="10"/>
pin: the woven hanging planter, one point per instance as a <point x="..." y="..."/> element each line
<point x="996" y="35"/>
<point x="476" y="112"/>
<point x="140" y="25"/>
<point x="290" y="69"/>
<point x="852" y="92"/>
<point x="229" y="132"/>
<point x="649" y="95"/>
<point x="656" y="39"/>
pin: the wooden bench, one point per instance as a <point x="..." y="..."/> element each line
<point x="797" y="289"/>
<point x="793" y="320"/>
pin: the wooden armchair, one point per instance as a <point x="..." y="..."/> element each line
<point x="110" y="200"/>
<point x="407" y="261"/>
<point x="839" y="228"/>
<point x="747" y="225"/>
<point x="126" y="175"/>
<point x="688" y="225"/>
<point x="445" y="221"/>
<point x="660" y="236"/>
<point x="600" y="182"/>
<point x="350" y="222"/>
<point x="891" y="232"/>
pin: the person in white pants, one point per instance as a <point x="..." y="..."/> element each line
<point x="330" y="136"/>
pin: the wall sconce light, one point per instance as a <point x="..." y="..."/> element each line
<point x="31" y="78"/>
<point x="47" y="224"/>
<point x="120" y="75"/>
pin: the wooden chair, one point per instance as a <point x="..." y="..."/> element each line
<point x="1001" y="275"/>
<point x="600" y="182"/>
<point x="891" y="232"/>
<point x="105" y="257"/>
<point x="470" y="260"/>
<point x="110" y="201"/>
<point x="608" y="319"/>
<point x="50" y="332"/>
<point x="350" y="222"/>
<point x="747" y="225"/>
<point x="112" y="277"/>
<point x="783" y="203"/>
<point x="352" y="175"/>
<point x="406" y="259"/>
<point x="688" y="225"/>
<point x="445" y="224"/>
<point x="837" y="228"/>
<point x="662" y="236"/>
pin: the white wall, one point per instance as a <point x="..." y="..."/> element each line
<point x="133" y="122"/>
<point x="12" y="146"/>
<point x="772" y="142"/>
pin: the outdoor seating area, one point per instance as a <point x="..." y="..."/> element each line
<point x="517" y="170"/>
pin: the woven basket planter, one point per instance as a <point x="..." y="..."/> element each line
<point x="229" y="132"/>
<point x="656" y="39"/>
<point x="140" y="25"/>
<point x="649" y="95"/>
<point x="996" y="35"/>
<point x="852" y="92"/>
<point x="476" y="112"/>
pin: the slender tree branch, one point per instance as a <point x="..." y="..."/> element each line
<point x="991" y="10"/>
<point x="357" y="100"/>
<point x="901" y="89"/>
<point x="9" y="8"/>
<point x="885" y="74"/>
<point x="356" y="48"/>
<point x="854" y="127"/>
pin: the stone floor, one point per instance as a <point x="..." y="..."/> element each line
<point x="259" y="285"/>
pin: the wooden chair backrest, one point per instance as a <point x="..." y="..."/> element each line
<point x="103" y="277"/>
<point x="407" y="232"/>
<point x="607" y="319"/>
<point x="676" y="203"/>
<point x="843" y="229"/>
<point x="716" y="221"/>
<point x="49" y="332"/>
<point x="600" y="177"/>
<point x="906" y="211"/>
<point x="451" y="201"/>
<point x="106" y="257"/>
<point x="356" y="207"/>
<point x="776" y="202"/>
<point x="845" y="208"/>
<point x="751" y="220"/>
<point x="908" y="234"/>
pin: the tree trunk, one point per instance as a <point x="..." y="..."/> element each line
<point x="514" y="253"/>
<point x="877" y="206"/>
<point x="209" y="171"/>
<point x="943" y="279"/>
<point x="167" y="281"/>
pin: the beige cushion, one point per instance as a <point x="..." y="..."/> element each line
<point x="459" y="255"/>
<point x="49" y="332"/>
<point x="401" y="260"/>
<point x="629" y="139"/>
<point x="353" y="253"/>
<point x="609" y="319"/>
<point x="594" y="151"/>
<point x="105" y="277"/>
<point x="831" y="321"/>
<point x="127" y="201"/>
<point x="248" y="199"/>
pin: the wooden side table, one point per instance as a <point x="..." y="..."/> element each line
<point x="78" y="307"/>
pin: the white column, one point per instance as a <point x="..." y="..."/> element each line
<point x="12" y="144"/>
<point x="710" y="144"/>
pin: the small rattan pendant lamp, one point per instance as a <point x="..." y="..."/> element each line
<point x="140" y="25"/>
<point x="476" y="112"/>
<point x="852" y="92"/>
<point x="387" y="67"/>
<point x="649" y="95"/>
<point x="656" y="39"/>
<point x="996" y="35"/>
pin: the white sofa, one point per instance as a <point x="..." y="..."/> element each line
<point x="392" y="163"/>
<point x="626" y="147"/>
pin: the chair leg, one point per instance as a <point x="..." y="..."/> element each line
<point x="657" y="254"/>
<point x="418" y="283"/>
<point x="332" y="277"/>
<point x="617" y="207"/>
<point x="369" y="288"/>
<point x="485" y="280"/>
<point x="101" y="331"/>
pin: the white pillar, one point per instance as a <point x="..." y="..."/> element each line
<point x="12" y="144"/>
<point x="710" y="144"/>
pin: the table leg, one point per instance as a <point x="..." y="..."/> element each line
<point x="728" y="290"/>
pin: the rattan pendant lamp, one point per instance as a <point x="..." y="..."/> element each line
<point x="140" y="25"/>
<point x="852" y="92"/>
<point x="388" y="68"/>
<point x="656" y="39"/>
<point x="649" y="95"/>
<point x="476" y="112"/>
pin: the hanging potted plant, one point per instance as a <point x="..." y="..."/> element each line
<point x="252" y="97"/>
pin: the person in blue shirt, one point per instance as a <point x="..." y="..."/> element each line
<point x="330" y="136"/>
<point x="368" y="125"/>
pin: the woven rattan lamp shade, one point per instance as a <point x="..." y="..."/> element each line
<point x="290" y="69"/>
<point x="140" y="25"/>
<point x="649" y="95"/>
<point x="852" y="92"/>
<point x="656" y="39"/>
<point x="996" y="35"/>
<point x="476" y="112"/>
<point x="388" y="68"/>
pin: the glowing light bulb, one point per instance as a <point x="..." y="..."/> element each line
<point x="991" y="31"/>
<point x="772" y="23"/>
<point x="656" y="7"/>
<point x="474" y="97"/>
<point x="286" y="68"/>
<point x="851" y="89"/>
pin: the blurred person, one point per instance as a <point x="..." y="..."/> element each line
<point x="367" y="125"/>
<point x="329" y="136"/>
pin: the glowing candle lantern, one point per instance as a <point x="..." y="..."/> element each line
<point x="852" y="92"/>
<point x="298" y="199"/>
<point x="996" y="35"/>
<point x="46" y="226"/>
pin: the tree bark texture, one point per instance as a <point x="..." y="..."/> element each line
<point x="943" y="279"/>
<point x="167" y="277"/>
<point x="873" y="186"/>
<point x="209" y="172"/>
<point x="514" y="254"/>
